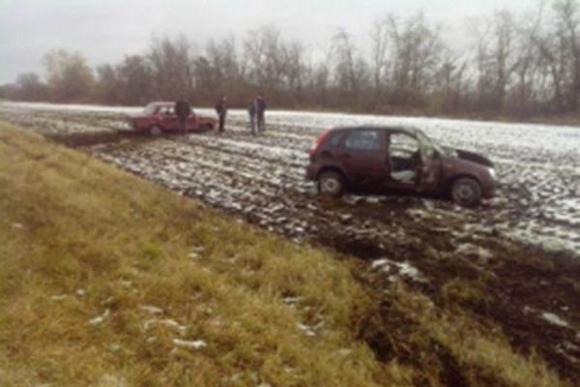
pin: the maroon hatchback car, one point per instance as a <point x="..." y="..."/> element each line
<point x="400" y="159"/>
<point x="159" y="117"/>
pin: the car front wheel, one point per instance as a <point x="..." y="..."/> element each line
<point x="466" y="191"/>
<point x="331" y="183"/>
<point x="155" y="130"/>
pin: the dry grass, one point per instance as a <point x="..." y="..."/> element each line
<point x="79" y="240"/>
<point x="102" y="272"/>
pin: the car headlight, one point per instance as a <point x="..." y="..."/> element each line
<point x="492" y="173"/>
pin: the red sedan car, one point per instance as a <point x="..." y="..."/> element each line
<point x="159" y="117"/>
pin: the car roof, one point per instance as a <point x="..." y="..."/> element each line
<point x="391" y="129"/>
<point x="161" y="103"/>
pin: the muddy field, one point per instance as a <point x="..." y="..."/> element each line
<point x="519" y="251"/>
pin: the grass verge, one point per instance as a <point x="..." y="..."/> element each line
<point x="109" y="280"/>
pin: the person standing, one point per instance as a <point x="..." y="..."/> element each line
<point x="260" y="111"/>
<point x="221" y="109"/>
<point x="182" y="111"/>
<point x="252" y="113"/>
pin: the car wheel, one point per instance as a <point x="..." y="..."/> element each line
<point x="155" y="130"/>
<point x="331" y="183"/>
<point x="206" y="127"/>
<point x="466" y="191"/>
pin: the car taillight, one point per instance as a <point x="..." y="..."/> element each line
<point x="319" y="142"/>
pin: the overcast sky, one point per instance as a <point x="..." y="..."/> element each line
<point x="106" y="30"/>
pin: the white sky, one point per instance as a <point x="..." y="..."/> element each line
<point x="104" y="31"/>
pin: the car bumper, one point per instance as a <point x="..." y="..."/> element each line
<point x="488" y="188"/>
<point x="311" y="172"/>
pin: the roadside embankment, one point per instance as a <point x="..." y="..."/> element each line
<point x="110" y="280"/>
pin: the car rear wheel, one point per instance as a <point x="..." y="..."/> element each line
<point x="466" y="191"/>
<point x="155" y="130"/>
<point x="206" y="127"/>
<point x="331" y="183"/>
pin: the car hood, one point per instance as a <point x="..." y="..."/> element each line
<point x="469" y="156"/>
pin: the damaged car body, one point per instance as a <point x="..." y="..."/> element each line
<point x="397" y="159"/>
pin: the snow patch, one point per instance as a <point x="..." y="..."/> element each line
<point x="151" y="309"/>
<point x="554" y="319"/>
<point x="193" y="344"/>
<point x="398" y="269"/>
<point x="100" y="319"/>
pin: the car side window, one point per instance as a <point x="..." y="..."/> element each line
<point x="335" y="140"/>
<point x="166" y="110"/>
<point x="401" y="144"/>
<point x="363" y="140"/>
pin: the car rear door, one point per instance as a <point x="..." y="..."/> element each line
<point x="364" y="157"/>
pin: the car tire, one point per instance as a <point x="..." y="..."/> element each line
<point x="206" y="128"/>
<point x="155" y="130"/>
<point x="331" y="183"/>
<point x="466" y="191"/>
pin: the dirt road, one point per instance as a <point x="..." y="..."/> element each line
<point x="518" y="251"/>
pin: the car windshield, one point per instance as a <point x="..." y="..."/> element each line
<point x="150" y="109"/>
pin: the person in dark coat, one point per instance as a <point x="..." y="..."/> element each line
<point x="252" y="111"/>
<point x="260" y="112"/>
<point x="182" y="111"/>
<point x="221" y="108"/>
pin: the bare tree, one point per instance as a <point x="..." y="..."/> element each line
<point x="107" y="86"/>
<point x="69" y="77"/>
<point x="135" y="77"/>
<point x="224" y="69"/>
<point x="519" y="66"/>
<point x="172" y="67"/>
<point x="379" y="64"/>
<point x="567" y="18"/>
<point x="450" y="85"/>
<point x="415" y="55"/>
<point x="263" y="54"/>
<point x="31" y="88"/>
<point x="345" y="71"/>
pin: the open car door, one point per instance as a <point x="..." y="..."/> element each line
<point x="405" y="161"/>
<point x="430" y="168"/>
<point x="414" y="165"/>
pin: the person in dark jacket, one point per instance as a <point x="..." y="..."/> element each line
<point x="252" y="113"/>
<point x="182" y="111"/>
<point x="221" y="108"/>
<point x="260" y="112"/>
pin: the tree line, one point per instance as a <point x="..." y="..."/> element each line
<point x="519" y="65"/>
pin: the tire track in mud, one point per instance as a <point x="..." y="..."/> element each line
<point x="433" y="242"/>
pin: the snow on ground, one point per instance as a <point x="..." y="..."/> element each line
<point x="261" y="179"/>
<point x="538" y="166"/>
